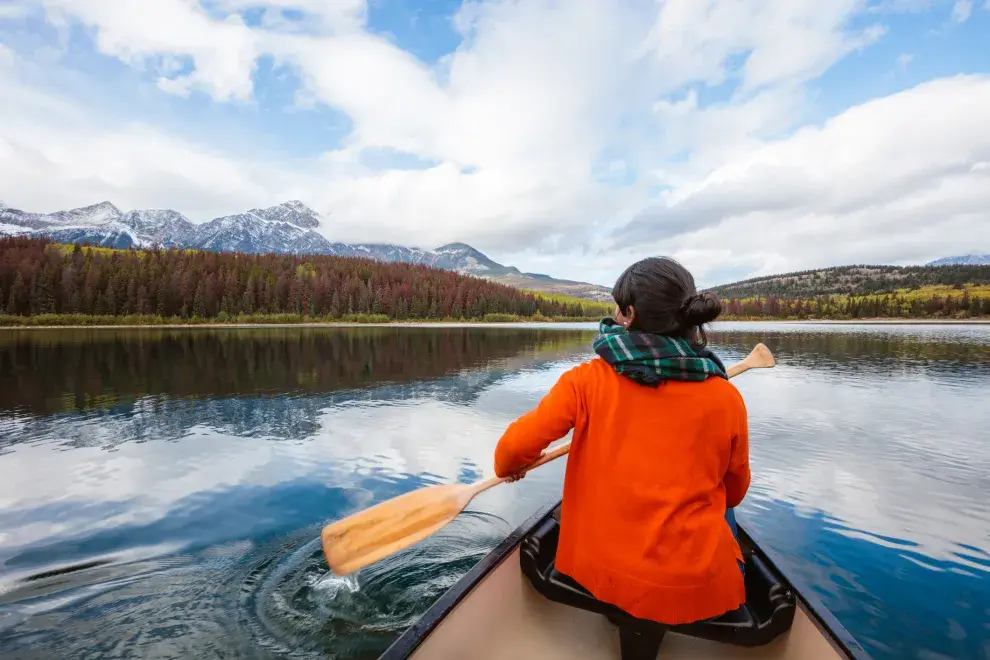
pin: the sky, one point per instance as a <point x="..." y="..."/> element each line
<point x="569" y="137"/>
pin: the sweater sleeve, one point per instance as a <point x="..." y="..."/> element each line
<point x="737" y="477"/>
<point x="526" y="438"/>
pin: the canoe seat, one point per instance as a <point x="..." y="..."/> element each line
<point x="767" y="613"/>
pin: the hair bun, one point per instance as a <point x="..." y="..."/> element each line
<point x="701" y="308"/>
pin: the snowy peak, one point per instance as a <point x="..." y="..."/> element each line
<point x="262" y="230"/>
<point x="465" y="259"/>
<point x="966" y="260"/>
<point x="154" y="218"/>
<point x="454" y="247"/>
<point x="163" y="227"/>
<point x="86" y="216"/>
<point x="293" y="212"/>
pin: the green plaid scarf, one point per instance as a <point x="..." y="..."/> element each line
<point x="652" y="359"/>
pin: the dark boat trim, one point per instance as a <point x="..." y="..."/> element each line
<point x="413" y="636"/>
<point x="819" y="614"/>
<point x="410" y="640"/>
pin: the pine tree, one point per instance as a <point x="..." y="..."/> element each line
<point x="16" y="293"/>
<point x="45" y="293"/>
<point x="199" y="304"/>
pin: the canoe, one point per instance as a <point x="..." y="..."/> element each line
<point x="513" y="605"/>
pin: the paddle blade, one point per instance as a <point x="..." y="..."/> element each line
<point x="761" y="357"/>
<point x="386" y="528"/>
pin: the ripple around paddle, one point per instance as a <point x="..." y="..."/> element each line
<point x="294" y="606"/>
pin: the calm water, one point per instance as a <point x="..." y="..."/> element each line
<point x="162" y="492"/>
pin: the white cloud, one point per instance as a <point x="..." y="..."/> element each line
<point x="904" y="59"/>
<point x="222" y="53"/>
<point x="13" y="10"/>
<point x="539" y="99"/>
<point x="785" y="40"/>
<point x="8" y="58"/>
<point x="44" y="139"/>
<point x="891" y="180"/>
<point x="962" y="10"/>
<point x="332" y="15"/>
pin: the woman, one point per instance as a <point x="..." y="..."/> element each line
<point x="660" y="451"/>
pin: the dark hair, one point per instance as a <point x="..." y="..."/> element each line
<point x="666" y="301"/>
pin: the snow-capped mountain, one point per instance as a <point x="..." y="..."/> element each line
<point x="465" y="259"/>
<point x="288" y="227"/>
<point x="97" y="215"/>
<point x="99" y="224"/>
<point x="250" y="232"/>
<point x="966" y="260"/>
<point x="293" y="212"/>
<point x="163" y="227"/>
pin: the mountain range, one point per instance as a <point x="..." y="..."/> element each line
<point x="293" y="227"/>
<point x="290" y="227"/>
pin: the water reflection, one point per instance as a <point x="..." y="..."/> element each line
<point x="161" y="492"/>
<point x="882" y="354"/>
<point x="153" y="384"/>
<point x="86" y="369"/>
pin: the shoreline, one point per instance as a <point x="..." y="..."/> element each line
<point x="248" y="326"/>
<point x="977" y="321"/>
<point x="462" y="324"/>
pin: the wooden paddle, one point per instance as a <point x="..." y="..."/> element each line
<point x="377" y="532"/>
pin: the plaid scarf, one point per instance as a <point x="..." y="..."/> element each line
<point x="650" y="359"/>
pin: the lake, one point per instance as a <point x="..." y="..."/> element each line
<point x="162" y="491"/>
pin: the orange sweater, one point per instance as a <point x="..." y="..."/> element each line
<point x="649" y="476"/>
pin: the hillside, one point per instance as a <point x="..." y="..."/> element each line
<point x="554" y="287"/>
<point x="38" y="277"/>
<point x="858" y="292"/>
<point x="855" y="280"/>
<point x="287" y="228"/>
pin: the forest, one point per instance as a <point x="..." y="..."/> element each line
<point x="45" y="283"/>
<point x="43" y="279"/>
<point x="929" y="302"/>
<point x="855" y="281"/>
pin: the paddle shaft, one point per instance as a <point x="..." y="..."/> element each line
<point x="758" y="358"/>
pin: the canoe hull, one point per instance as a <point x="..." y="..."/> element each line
<point x="495" y="613"/>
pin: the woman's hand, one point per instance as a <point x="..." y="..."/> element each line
<point x="522" y="473"/>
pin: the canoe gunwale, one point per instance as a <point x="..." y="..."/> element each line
<point x="415" y="634"/>
<point x="407" y="643"/>
<point x="820" y="615"/>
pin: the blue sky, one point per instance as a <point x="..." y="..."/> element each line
<point x="741" y="138"/>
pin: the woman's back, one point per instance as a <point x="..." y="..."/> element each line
<point x="660" y="451"/>
<point x="649" y="475"/>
